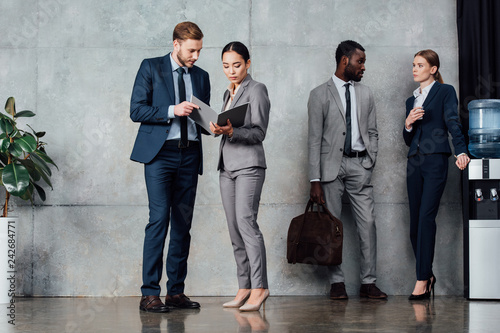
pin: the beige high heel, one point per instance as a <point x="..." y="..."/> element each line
<point x="237" y="304"/>
<point x="256" y="307"/>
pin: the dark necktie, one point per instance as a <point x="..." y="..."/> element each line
<point x="347" y="145"/>
<point x="182" y="98"/>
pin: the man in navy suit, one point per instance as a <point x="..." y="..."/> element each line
<point x="169" y="145"/>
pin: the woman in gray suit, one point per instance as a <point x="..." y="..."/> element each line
<point x="242" y="165"/>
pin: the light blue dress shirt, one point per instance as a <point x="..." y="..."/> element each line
<point x="175" y="128"/>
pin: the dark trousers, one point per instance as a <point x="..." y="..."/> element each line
<point x="171" y="180"/>
<point x="425" y="180"/>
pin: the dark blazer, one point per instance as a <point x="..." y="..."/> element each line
<point x="152" y="95"/>
<point x="245" y="149"/>
<point x="430" y="135"/>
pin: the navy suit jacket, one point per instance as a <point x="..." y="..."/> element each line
<point x="152" y="95"/>
<point x="430" y="135"/>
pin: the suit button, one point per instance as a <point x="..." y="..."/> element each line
<point x="343" y="133"/>
<point x="341" y="149"/>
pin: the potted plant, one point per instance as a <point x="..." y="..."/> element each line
<point x="23" y="163"/>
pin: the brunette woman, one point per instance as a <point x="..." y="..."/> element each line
<point x="242" y="165"/>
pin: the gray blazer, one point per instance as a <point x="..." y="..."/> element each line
<point x="327" y="129"/>
<point x="244" y="149"/>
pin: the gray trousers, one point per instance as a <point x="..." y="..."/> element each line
<point x="240" y="192"/>
<point x="354" y="179"/>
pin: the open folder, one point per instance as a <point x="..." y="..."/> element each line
<point x="204" y="115"/>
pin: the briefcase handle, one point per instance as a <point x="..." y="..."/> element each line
<point x="310" y="206"/>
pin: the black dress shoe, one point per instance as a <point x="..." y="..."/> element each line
<point x="370" y="290"/>
<point x="181" y="301"/>
<point x="152" y="304"/>
<point x="337" y="291"/>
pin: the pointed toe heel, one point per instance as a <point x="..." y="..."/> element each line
<point x="256" y="307"/>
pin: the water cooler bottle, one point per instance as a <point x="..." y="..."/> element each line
<point x="481" y="202"/>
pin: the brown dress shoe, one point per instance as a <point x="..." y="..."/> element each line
<point x="152" y="304"/>
<point x="370" y="290"/>
<point x="337" y="291"/>
<point x="181" y="301"/>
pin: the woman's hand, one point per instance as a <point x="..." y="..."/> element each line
<point x="414" y="115"/>
<point x="462" y="161"/>
<point x="216" y="129"/>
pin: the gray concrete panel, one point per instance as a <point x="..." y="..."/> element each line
<point x="74" y="64"/>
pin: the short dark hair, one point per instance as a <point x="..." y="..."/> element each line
<point x="237" y="47"/>
<point x="187" y="30"/>
<point x="347" y="48"/>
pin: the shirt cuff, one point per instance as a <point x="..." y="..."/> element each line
<point x="409" y="130"/>
<point x="171" y="113"/>
<point x="315" y="180"/>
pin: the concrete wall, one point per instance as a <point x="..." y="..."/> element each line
<point x="74" y="64"/>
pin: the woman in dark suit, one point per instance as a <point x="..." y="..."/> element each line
<point x="430" y="114"/>
<point x="242" y="165"/>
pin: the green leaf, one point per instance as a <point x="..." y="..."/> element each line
<point x="16" y="179"/>
<point x="25" y="113"/>
<point x="45" y="157"/>
<point x="43" y="175"/>
<point x="28" y="195"/>
<point x="10" y="106"/>
<point x="6" y="126"/>
<point x="40" y="191"/>
<point x="27" y="143"/>
<point x="39" y="162"/>
<point x="30" y="165"/>
<point x="15" y="150"/>
<point x="4" y="142"/>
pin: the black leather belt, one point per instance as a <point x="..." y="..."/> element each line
<point x="356" y="154"/>
<point x="178" y="143"/>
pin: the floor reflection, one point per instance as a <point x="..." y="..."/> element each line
<point x="290" y="314"/>
<point x="250" y="322"/>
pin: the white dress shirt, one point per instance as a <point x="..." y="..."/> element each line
<point x="356" y="140"/>
<point x="420" y="97"/>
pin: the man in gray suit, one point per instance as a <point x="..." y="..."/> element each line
<point x="342" y="144"/>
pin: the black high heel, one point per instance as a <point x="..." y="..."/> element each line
<point x="431" y="284"/>
<point x="425" y="295"/>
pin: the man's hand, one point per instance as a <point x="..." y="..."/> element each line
<point x="184" y="109"/>
<point x="317" y="194"/>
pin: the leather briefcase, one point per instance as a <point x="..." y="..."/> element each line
<point x="315" y="237"/>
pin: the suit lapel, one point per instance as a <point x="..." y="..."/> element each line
<point x="336" y="97"/>
<point x="432" y="94"/>
<point x="195" y="81"/>
<point x="358" y="103"/>
<point x="225" y="99"/>
<point x="241" y="90"/>
<point x="166" y="71"/>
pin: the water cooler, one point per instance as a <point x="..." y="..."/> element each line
<point x="481" y="204"/>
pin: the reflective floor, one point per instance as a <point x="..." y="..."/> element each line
<point x="282" y="314"/>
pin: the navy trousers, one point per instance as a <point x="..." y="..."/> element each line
<point x="171" y="180"/>
<point x="425" y="180"/>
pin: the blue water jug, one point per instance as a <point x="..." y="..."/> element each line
<point x="484" y="128"/>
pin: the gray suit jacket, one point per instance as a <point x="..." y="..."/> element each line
<point x="327" y="129"/>
<point x="245" y="149"/>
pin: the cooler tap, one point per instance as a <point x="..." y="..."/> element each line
<point x="493" y="194"/>
<point x="478" y="194"/>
